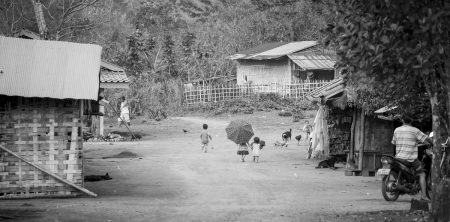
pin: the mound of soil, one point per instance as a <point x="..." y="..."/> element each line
<point x="124" y="154"/>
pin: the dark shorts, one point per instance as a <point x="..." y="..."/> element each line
<point x="418" y="166"/>
<point x="242" y="152"/>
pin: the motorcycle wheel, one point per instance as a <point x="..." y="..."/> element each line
<point x="389" y="196"/>
<point x="429" y="187"/>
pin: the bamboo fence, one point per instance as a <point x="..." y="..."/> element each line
<point x="205" y="94"/>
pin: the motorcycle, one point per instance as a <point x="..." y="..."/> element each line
<point x="400" y="178"/>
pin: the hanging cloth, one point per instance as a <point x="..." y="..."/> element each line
<point x="319" y="134"/>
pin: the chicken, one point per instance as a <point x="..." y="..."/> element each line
<point x="287" y="135"/>
<point x="298" y="138"/>
<point x="87" y="136"/>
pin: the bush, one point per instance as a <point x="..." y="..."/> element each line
<point x="285" y="113"/>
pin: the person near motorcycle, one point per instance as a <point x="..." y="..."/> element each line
<point x="406" y="139"/>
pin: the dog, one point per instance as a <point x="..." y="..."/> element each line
<point x="328" y="163"/>
<point x="136" y="137"/>
<point x="95" y="178"/>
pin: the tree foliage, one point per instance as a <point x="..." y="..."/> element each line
<point x="397" y="52"/>
<point x="162" y="41"/>
<point x="63" y="19"/>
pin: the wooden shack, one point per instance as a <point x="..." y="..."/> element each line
<point x="284" y="62"/>
<point x="45" y="86"/>
<point x="351" y="131"/>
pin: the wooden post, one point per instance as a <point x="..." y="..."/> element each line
<point x="351" y="153"/>
<point x="101" y="120"/>
<point x="361" y="141"/>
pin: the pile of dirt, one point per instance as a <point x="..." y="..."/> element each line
<point x="124" y="154"/>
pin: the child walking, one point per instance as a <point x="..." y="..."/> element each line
<point x="243" y="151"/>
<point x="205" y="137"/>
<point x="256" y="146"/>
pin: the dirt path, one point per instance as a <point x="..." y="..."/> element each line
<point x="174" y="181"/>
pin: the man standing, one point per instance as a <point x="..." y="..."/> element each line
<point x="406" y="138"/>
<point x="124" y="112"/>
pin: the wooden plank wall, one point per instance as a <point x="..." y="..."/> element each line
<point x="48" y="132"/>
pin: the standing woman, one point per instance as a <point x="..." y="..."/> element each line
<point x="243" y="151"/>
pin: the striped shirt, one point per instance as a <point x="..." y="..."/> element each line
<point x="405" y="140"/>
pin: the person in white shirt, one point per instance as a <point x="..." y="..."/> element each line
<point x="124" y="113"/>
<point x="256" y="147"/>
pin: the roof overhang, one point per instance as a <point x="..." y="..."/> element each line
<point x="49" y="69"/>
<point x="327" y="91"/>
<point x="385" y="113"/>
<point x="113" y="77"/>
<point x="385" y="109"/>
<point x="275" y="52"/>
<point x="313" y="62"/>
<point x="112" y="85"/>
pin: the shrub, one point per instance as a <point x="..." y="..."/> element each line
<point x="285" y="113"/>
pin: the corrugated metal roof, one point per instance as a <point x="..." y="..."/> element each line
<point x="53" y="69"/>
<point x="262" y="48"/>
<point x="328" y="90"/>
<point x="113" y="77"/>
<point x="276" y="52"/>
<point x="313" y="62"/>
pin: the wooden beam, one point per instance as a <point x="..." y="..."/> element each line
<point x="361" y="141"/>
<point x="50" y="173"/>
<point x="110" y="85"/>
<point x="352" y="137"/>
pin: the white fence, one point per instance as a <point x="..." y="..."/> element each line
<point x="205" y="94"/>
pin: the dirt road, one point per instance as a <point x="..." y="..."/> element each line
<point x="175" y="181"/>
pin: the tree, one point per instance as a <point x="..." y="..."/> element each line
<point x="394" y="46"/>
<point x="56" y="20"/>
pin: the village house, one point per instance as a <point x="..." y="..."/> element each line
<point x="349" y="130"/>
<point x="284" y="62"/>
<point x="111" y="77"/>
<point x="46" y="87"/>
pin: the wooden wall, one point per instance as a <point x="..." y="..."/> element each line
<point x="365" y="139"/>
<point x="47" y="132"/>
<point x="340" y="129"/>
<point x="378" y="135"/>
<point x="264" y="71"/>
